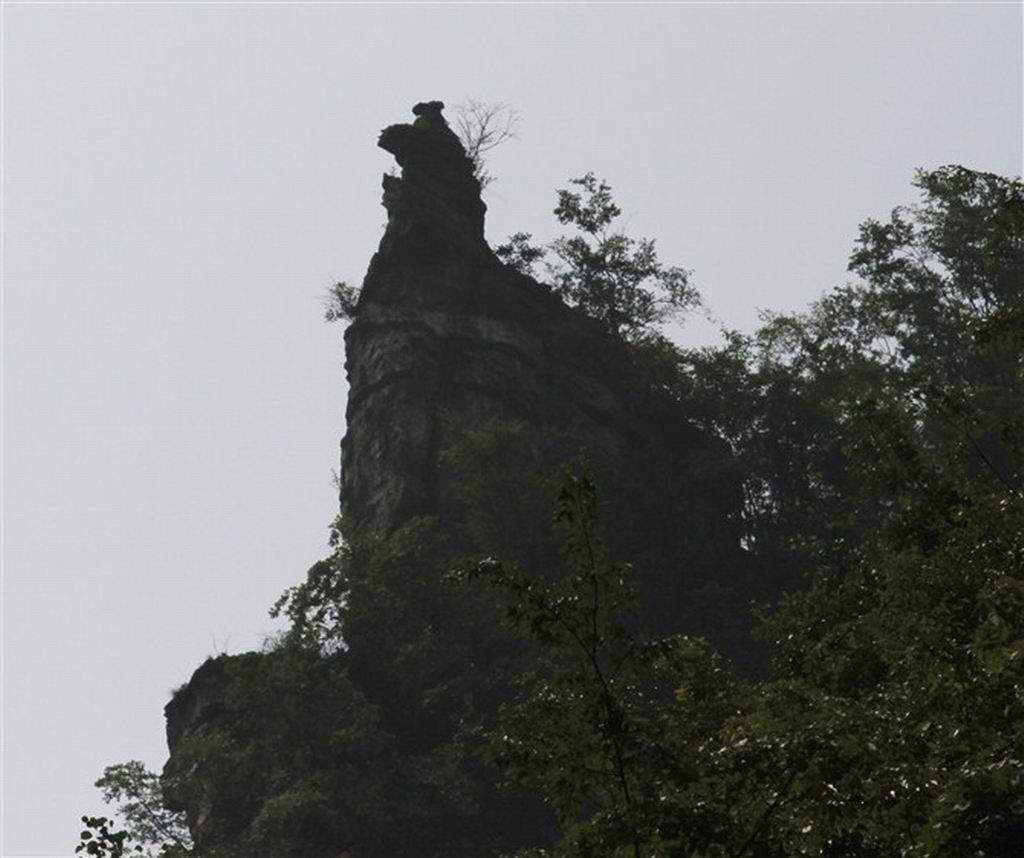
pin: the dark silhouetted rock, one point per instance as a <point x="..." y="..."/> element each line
<point x="446" y="338"/>
<point x="447" y="341"/>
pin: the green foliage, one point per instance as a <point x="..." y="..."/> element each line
<point x="914" y="367"/>
<point x="879" y="438"/>
<point x="360" y="732"/>
<point x="883" y="430"/>
<point x="137" y="793"/>
<point x="611" y="277"/>
<point x="520" y="254"/>
<point x="292" y="739"/>
<point x="503" y="474"/>
<point x="912" y="652"/>
<point x="102" y="841"/>
<point x="150" y="828"/>
<point x="342" y="302"/>
<point x="893" y="726"/>
<point x="597" y="727"/>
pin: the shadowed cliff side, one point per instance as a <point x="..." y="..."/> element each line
<point x="469" y="383"/>
<point x="448" y="340"/>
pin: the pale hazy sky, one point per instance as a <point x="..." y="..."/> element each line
<point x="183" y="181"/>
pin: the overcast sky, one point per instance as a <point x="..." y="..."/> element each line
<point x="183" y="182"/>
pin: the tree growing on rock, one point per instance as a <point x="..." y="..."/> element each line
<point x="481" y="127"/>
<point x="610" y="276"/>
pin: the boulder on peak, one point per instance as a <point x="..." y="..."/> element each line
<point x="436" y="201"/>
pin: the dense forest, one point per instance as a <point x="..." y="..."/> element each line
<point x="507" y="686"/>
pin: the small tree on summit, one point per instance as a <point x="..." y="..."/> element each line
<point x="481" y="127"/>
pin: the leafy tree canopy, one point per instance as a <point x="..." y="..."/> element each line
<point x="610" y="276"/>
<point x="883" y="430"/>
<point x="150" y="828"/>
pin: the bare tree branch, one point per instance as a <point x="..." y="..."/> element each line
<point x="484" y="126"/>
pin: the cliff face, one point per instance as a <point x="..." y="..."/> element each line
<point x="446" y="337"/>
<point x="197" y="713"/>
<point x="446" y="334"/>
<point x="447" y="341"/>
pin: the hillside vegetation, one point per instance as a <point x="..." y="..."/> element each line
<point x="500" y="687"/>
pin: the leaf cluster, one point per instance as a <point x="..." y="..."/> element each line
<point x="100" y="839"/>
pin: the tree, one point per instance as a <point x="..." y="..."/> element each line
<point x="811" y="402"/>
<point x="482" y="127"/>
<point x="881" y="433"/>
<point x="151" y="829"/>
<point x="611" y="277"/>
<point x="631" y="739"/>
<point x="358" y="732"/>
<point x="893" y="721"/>
<point x="520" y="254"/>
<point x="138" y="796"/>
<point x="341" y="302"/>
<point x="101" y="840"/>
<point x="892" y="726"/>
